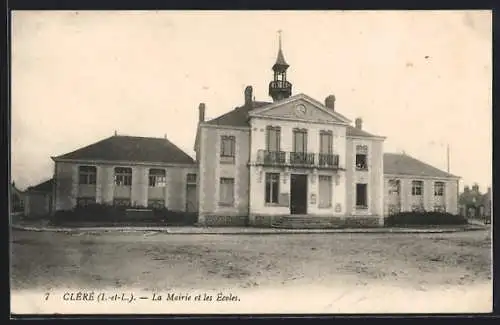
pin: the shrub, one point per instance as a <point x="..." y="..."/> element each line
<point x="424" y="218"/>
<point x="106" y="213"/>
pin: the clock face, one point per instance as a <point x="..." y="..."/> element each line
<point x="300" y="109"/>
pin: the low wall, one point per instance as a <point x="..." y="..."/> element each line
<point x="224" y="221"/>
<point x="267" y="221"/>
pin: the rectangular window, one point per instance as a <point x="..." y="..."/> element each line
<point x="157" y="178"/>
<point x="226" y="191"/>
<point x="227" y="146"/>
<point x="361" y="196"/>
<point x="439" y="189"/>
<point x="85" y="201"/>
<point x="394" y="209"/>
<point x="300" y="141"/>
<point x="325" y="191"/>
<point x="394" y="186"/>
<point x="326" y="142"/>
<point x="273" y="137"/>
<point x="191" y="178"/>
<point x="123" y="176"/>
<point x="87" y="175"/>
<point x="156" y="203"/>
<point x="272" y="187"/>
<point x="121" y="202"/>
<point x="417" y="208"/>
<point x="417" y="188"/>
<point x="439" y="208"/>
<point x="362" y="157"/>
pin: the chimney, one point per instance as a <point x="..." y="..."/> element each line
<point x="330" y="102"/>
<point x="165" y="136"/>
<point x="116" y="133"/>
<point x="358" y="123"/>
<point x="248" y="96"/>
<point x="201" y="113"/>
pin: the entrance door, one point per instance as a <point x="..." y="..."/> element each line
<point x="191" y="198"/>
<point x="298" y="194"/>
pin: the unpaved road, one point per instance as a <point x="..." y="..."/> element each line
<point x="308" y="272"/>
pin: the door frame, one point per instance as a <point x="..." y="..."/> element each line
<point x="306" y="192"/>
<point x="195" y="187"/>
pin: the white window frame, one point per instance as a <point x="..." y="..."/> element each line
<point x="157" y="177"/>
<point x="222" y="200"/>
<point x="328" y="204"/>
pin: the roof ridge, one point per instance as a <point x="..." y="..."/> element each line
<point x="137" y="136"/>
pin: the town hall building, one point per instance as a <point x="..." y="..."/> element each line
<point x="264" y="163"/>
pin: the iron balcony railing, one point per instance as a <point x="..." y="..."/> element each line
<point x="303" y="159"/>
<point x="273" y="157"/>
<point x="281" y="85"/>
<point x="328" y="159"/>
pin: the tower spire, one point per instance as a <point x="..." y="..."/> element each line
<point x="280" y="64"/>
<point x="279" y="36"/>
<point x="280" y="88"/>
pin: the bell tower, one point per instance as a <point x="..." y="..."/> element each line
<point x="279" y="87"/>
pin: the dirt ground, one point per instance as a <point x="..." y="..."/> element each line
<point x="160" y="262"/>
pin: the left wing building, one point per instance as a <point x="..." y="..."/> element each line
<point x="127" y="171"/>
<point x="292" y="156"/>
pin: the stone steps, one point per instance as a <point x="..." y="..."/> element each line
<point x="308" y="223"/>
<point x="316" y="222"/>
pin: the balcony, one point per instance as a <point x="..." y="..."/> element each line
<point x="280" y="85"/>
<point x="297" y="159"/>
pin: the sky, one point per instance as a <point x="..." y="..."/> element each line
<point x="423" y="79"/>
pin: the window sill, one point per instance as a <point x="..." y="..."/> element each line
<point x="277" y="205"/>
<point x="325" y="207"/>
<point x="226" y="205"/>
<point x="227" y="160"/>
<point x="362" y="169"/>
<point x="361" y="207"/>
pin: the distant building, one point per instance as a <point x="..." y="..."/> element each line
<point x="474" y="204"/>
<point x="412" y="185"/>
<point x="38" y="199"/>
<point x="16" y="199"/>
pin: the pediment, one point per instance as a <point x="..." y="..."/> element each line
<point x="300" y="108"/>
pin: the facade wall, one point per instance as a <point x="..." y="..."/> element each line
<point x="428" y="200"/>
<point x="258" y="134"/>
<point x="65" y="194"/>
<point x="258" y="207"/>
<point x="212" y="168"/>
<point x="37" y="204"/>
<point x="68" y="189"/>
<point x="373" y="177"/>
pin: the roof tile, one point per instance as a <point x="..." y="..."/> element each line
<point x="134" y="149"/>
<point x="403" y="164"/>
